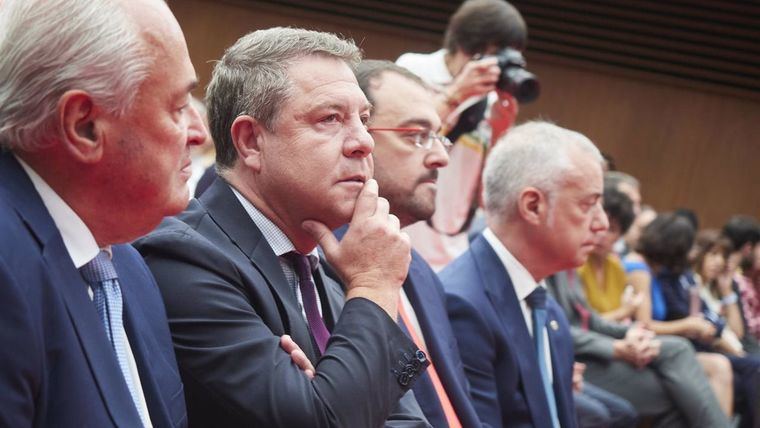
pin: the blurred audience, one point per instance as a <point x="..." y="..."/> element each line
<point x="602" y="276"/>
<point x="665" y="244"/>
<point x="744" y="263"/>
<point x="659" y="375"/>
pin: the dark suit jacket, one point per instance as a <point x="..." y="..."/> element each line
<point x="498" y="353"/>
<point x="425" y="293"/>
<point x="57" y="367"/>
<point x="228" y="303"/>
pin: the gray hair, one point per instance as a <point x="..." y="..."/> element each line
<point x="534" y="154"/>
<point x="48" y="47"/>
<point x="252" y="78"/>
<point x="616" y="178"/>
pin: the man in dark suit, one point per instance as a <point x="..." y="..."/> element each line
<point x="542" y="188"/>
<point x="240" y="268"/>
<point x="408" y="153"/>
<point x="95" y="141"/>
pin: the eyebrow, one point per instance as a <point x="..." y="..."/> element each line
<point x="339" y="106"/>
<point x="193" y="84"/>
<point x="422" y="123"/>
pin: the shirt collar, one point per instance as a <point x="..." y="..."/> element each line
<point x="275" y="237"/>
<point x="522" y="280"/>
<point x="77" y="237"/>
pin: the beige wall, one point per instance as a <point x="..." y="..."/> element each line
<point x="690" y="148"/>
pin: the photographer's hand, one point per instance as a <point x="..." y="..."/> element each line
<point x="477" y="78"/>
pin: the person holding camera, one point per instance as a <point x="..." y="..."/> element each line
<point x="479" y="76"/>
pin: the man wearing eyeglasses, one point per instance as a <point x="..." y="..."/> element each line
<point x="464" y="75"/>
<point x="408" y="153"/>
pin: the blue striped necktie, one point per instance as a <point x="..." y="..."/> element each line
<point x="101" y="276"/>
<point x="537" y="302"/>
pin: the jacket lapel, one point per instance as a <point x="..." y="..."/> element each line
<point x="145" y="348"/>
<point x="559" y="361"/>
<point x="226" y="211"/>
<point x="72" y="287"/>
<point x="501" y="292"/>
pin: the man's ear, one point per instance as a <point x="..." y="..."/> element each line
<point x="247" y="134"/>
<point x="533" y="205"/>
<point x="79" y="122"/>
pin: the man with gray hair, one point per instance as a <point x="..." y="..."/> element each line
<point x="543" y="188"/>
<point x="240" y="268"/>
<point x="95" y="131"/>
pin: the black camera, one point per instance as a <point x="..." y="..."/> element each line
<point x="514" y="78"/>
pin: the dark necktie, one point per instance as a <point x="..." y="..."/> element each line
<point x="537" y="302"/>
<point x="309" y="297"/>
<point x="106" y="294"/>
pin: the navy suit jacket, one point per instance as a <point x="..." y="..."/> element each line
<point x="57" y="367"/>
<point x="425" y="293"/>
<point x="229" y="302"/>
<point x="499" y="358"/>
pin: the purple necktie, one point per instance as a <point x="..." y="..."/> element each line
<point x="309" y="297"/>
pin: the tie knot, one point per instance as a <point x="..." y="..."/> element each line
<point x="537" y="299"/>
<point x="301" y="264"/>
<point x="99" y="269"/>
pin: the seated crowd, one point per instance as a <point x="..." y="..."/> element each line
<point x="373" y="244"/>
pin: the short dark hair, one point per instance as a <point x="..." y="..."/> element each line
<point x="688" y="214"/>
<point x="478" y="24"/>
<point x="619" y="207"/>
<point x="665" y="243"/>
<point x="741" y="230"/>
<point x="370" y="69"/>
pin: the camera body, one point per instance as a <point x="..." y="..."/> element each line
<point x="514" y="78"/>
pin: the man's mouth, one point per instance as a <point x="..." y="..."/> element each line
<point x="359" y="178"/>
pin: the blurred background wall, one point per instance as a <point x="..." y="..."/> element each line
<point x="670" y="89"/>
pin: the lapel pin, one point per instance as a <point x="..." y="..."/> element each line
<point x="554" y="325"/>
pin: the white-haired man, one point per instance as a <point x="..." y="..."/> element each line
<point x="543" y="188"/>
<point x="96" y="130"/>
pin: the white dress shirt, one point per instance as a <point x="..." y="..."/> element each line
<point x="82" y="247"/>
<point x="281" y="246"/>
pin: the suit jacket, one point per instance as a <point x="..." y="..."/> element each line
<point x="57" y="366"/>
<point x="499" y="357"/>
<point x="228" y="303"/>
<point x="425" y="293"/>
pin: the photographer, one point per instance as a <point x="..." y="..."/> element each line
<point x="473" y="75"/>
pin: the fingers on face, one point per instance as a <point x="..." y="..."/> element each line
<point x="366" y="203"/>
<point x="383" y="208"/>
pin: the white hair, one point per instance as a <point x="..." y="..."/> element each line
<point x="535" y="154"/>
<point x="48" y="47"/>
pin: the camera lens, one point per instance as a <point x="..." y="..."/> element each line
<point x="514" y="78"/>
<point x="522" y="84"/>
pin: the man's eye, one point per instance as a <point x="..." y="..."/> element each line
<point x="331" y="118"/>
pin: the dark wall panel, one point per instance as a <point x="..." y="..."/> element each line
<point x="691" y="142"/>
